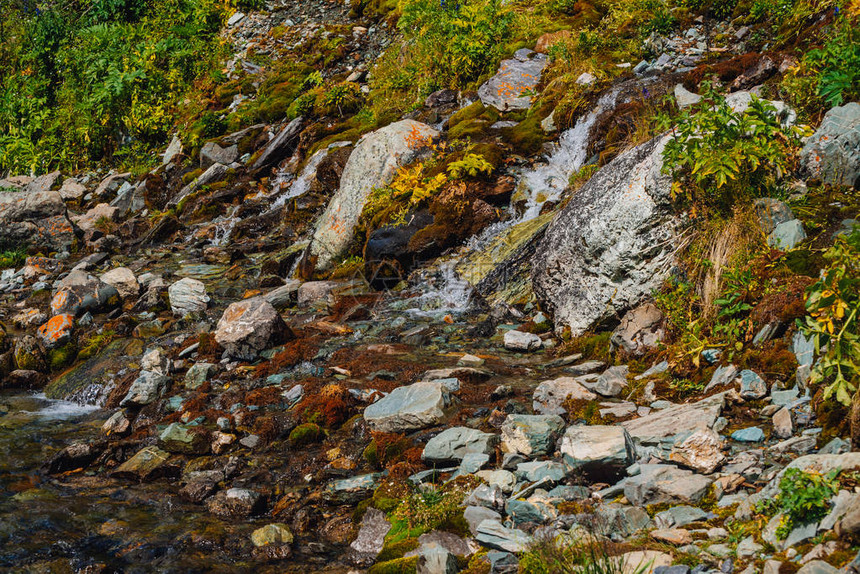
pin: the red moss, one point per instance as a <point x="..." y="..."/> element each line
<point x="726" y="70"/>
<point x="295" y="352"/>
<point x="331" y="406"/>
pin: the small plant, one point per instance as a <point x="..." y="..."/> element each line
<point x="472" y="165"/>
<point x="12" y="258"/>
<point x="576" y="552"/>
<point x="833" y="305"/>
<point x="839" y="63"/>
<point x="312" y="80"/>
<point x="430" y="507"/>
<point x="803" y="497"/>
<point x="346" y="97"/>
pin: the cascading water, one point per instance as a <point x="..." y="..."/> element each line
<point x="224" y="227"/>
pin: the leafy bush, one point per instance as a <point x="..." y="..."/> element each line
<point x="803" y="497"/>
<point x="344" y="97"/>
<point x="472" y="165"/>
<point x="839" y="64"/>
<point x="833" y="304"/>
<point x="718" y="156"/>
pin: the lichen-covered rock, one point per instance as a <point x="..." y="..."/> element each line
<point x="454" y="443"/>
<point x="57" y="331"/>
<point x="832" y="154"/>
<point x="373" y="163"/>
<point x="701" y="451"/>
<point x="35" y="217"/>
<point x="531" y="435"/>
<point x="29" y="355"/>
<point x="123" y="279"/>
<point x="146" y="388"/>
<point x="80" y="292"/>
<point x="549" y="396"/>
<point x="512" y="85"/>
<point x="250" y="326"/>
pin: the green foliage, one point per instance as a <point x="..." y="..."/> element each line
<point x="11" y="259"/>
<point x="95" y="343"/>
<point x="573" y="553"/>
<point x="718" y="156"/>
<point x="803" y="498"/>
<point x="430" y="508"/>
<point x="833" y="305"/>
<point x="838" y="63"/>
<point x="344" y="97"/>
<point x="306" y="434"/>
<point x="472" y="165"/>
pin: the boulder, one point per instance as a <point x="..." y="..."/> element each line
<point x="80" y="292"/>
<point x="351" y="490"/>
<point x="643" y="561"/>
<point x="147" y="464"/>
<point x="435" y="559"/>
<point x="531" y="435"/>
<point x="511" y="87"/>
<point x="57" y="331"/>
<point x="148" y="387"/>
<point x="72" y="190"/>
<point x="95" y="217"/>
<point x="29" y="355"/>
<point x="832" y="154"/>
<point x="250" y="326"/>
<point x="662" y="483"/>
<point x="771" y="212"/>
<point x="187" y="296"/>
<point x="601" y="451"/>
<point x="211" y="153"/>
<point x="493" y="534"/>
<point x="655" y="427"/>
<point x="235" y="503"/>
<point x="752" y="386"/>
<point x="684" y="97"/>
<point x="123" y="279"/>
<point x="520" y="341"/>
<point x="35" y="218"/>
<point x="786" y="236"/>
<point x="184" y="439"/>
<point x="549" y="396"/>
<point x="372" y="164"/>
<point x="701" y="451"/>
<point x="281" y="146"/>
<point x="371" y="536"/>
<point x="613" y="243"/>
<point x="610" y="383"/>
<point x="416" y="406"/>
<point x="453" y="444"/>
<point x="640" y="330"/>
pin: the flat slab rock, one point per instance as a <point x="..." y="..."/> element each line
<point x="509" y="89"/>
<point x="420" y="405"/>
<point x="669" y="422"/>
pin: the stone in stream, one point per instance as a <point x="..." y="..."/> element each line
<point x="351" y="490"/>
<point x="272" y="534"/>
<point x="511" y="87"/>
<point x="832" y="154"/>
<point x="123" y="280"/>
<point x="372" y="164"/>
<point x="416" y="406"/>
<point x="236" y="503"/>
<point x="701" y="451"/>
<point x="184" y="439"/>
<point x="519" y="341"/>
<point x="147" y="464"/>
<point x="28" y="354"/>
<point x="454" y="443"/>
<point x="531" y="435"/>
<point x="601" y="451"/>
<point x="187" y="296"/>
<point x="146" y="388"/>
<point x="549" y="396"/>
<point x="250" y="326"/>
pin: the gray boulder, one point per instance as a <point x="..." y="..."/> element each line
<point x="610" y="383"/>
<point x="509" y="89"/>
<point x="549" y="396"/>
<point x="771" y="212"/>
<point x="416" y="406"/>
<point x="787" y="236"/>
<point x="520" y="341"/>
<point x="250" y="326"/>
<point x="493" y="534"/>
<point x="662" y="483"/>
<point x="613" y="243"/>
<point x="187" y="296"/>
<point x="372" y="164"/>
<point x="702" y="451"/>
<point x="832" y="154"/>
<point x="531" y="435"/>
<point x="211" y="153"/>
<point x="148" y="387"/>
<point x="603" y="451"/>
<point x="655" y="427"/>
<point x="35" y="217"/>
<point x="80" y="292"/>
<point x="435" y="559"/>
<point x="454" y="443"/>
<point x="752" y="386"/>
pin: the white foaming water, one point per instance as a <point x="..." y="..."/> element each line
<point x="547" y="181"/>
<point x="58" y="410"/>
<point x="224" y="227"/>
<point x="445" y="293"/>
<point x="300" y="185"/>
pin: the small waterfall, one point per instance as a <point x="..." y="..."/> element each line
<point x="224" y="227"/>
<point x="444" y="292"/>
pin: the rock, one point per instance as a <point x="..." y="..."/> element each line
<point x="549" y="396"/>
<point x="748" y="548"/>
<point x="786" y="236"/>
<point x="676" y="536"/>
<point x="123" y="280"/>
<point x="658" y="483"/>
<point x="80" y="292"/>
<point x="520" y="341"/>
<point x="540" y="470"/>
<point x="512" y="85"/>
<point x="416" y="406"/>
<point x="621" y="520"/>
<point x="685" y="98"/>
<point x="272" y="534"/>
<point x="279" y="147"/>
<point x="57" y="332"/>
<point x="503" y="479"/>
<point x="250" y="326"/>
<point x="187" y="296"/>
<point x="235" y="503"/>
<point x="701" y="451"/>
<point x="613" y="243"/>
<point x="755" y="75"/>
<point x="198" y="374"/>
<point x="849" y="524"/>
<point x="441" y="98"/>
<point x="752" y="385"/>
<point x="211" y="153"/>
<point x="453" y="444"/>
<point x="475" y="515"/>
<point x="643" y="561"/>
<point x="722" y="376"/>
<point x="751" y="434"/>
<point x="468" y="360"/>
<point x="640" y="329"/>
<point x="782" y="424"/>
<point x="586" y="79"/>
<point x="678" y="516"/>
<point x="817" y="567"/>
<point x="174" y="148"/>
<point x="771" y="212"/>
<point x="94" y="219"/>
<point x="671" y="421"/>
<point x="371" y="534"/>
<point x="602" y="451"/>
<point x="35" y="218"/>
<point x="372" y="164"/>
<point x="149" y="463"/>
<point x="832" y="154"/>
<point x="493" y="534"/>
<point x="531" y="435"/>
<point x="521" y="511"/>
<point x="610" y="383"/>
<point x="109" y="185"/>
<point x="285" y="295"/>
<point x="435" y="559"/>
<point x="184" y="439"/>
<point x="71" y="190"/>
<point x="676" y="569"/>
<point x="146" y="388"/>
<point x="28" y="355"/>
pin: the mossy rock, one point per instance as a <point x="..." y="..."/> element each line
<point x="109" y="361"/>
<point x="397" y="566"/>
<point x="472" y="122"/>
<point x="527" y="137"/>
<point x="305" y="434"/>
<point x="62" y="357"/>
<point x="394" y="550"/>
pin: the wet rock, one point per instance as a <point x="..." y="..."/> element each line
<point x="29" y="355"/>
<point x="146" y="388"/>
<point x="372" y="164"/>
<point x="272" y="534"/>
<point x="701" y="451"/>
<point x="640" y="329"/>
<point x="149" y="463"/>
<point x="235" y="503"/>
<point x="520" y="341"/>
<point x="601" y="451"/>
<point x="281" y="146"/>
<point x="250" y="326"/>
<point x="658" y="483"/>
<point x="351" y="490"/>
<point x="184" y="439"/>
<point x="612" y="245"/>
<point x="371" y="536"/>
<point x="80" y="292"/>
<point x="117" y="424"/>
<point x="211" y="153"/>
<point x="509" y="89"/>
<point x="416" y="406"/>
<point x="493" y="534"/>
<point x="214" y="174"/>
<point x="531" y="435"/>
<point x="73" y="457"/>
<point x="37" y="218"/>
<point x="453" y="444"/>
<point x="549" y="396"/>
<point x="124" y="281"/>
<point x="674" y="420"/>
<point x="832" y="154"/>
<point x="187" y="296"/>
<point x="57" y="331"/>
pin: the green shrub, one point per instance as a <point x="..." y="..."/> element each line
<point x="839" y="64"/>
<point x="803" y="498"/>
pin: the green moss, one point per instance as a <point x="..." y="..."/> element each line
<point x="191" y="176"/>
<point x="592" y="346"/>
<point x="527" y="137"/>
<point x="394" y="550"/>
<point x="305" y="434"/>
<point x="472" y="122"/>
<point x="371" y="454"/>
<point x="62" y="357"/>
<point x="398" y="566"/>
<point x="804" y="262"/>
